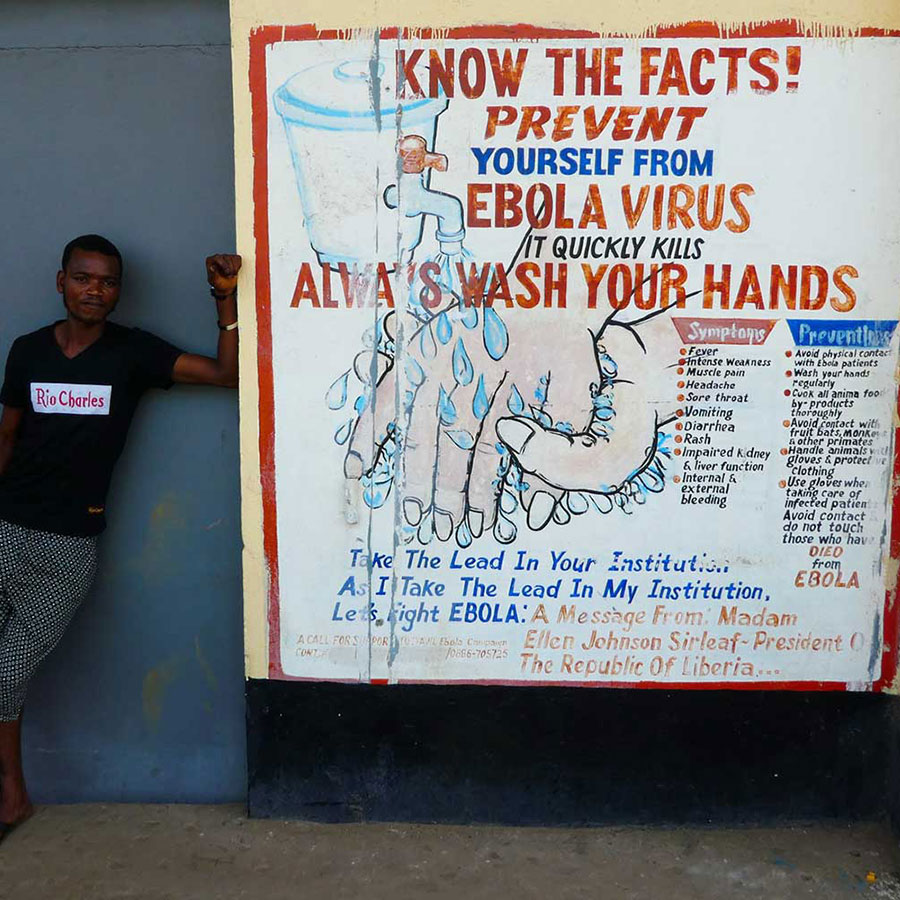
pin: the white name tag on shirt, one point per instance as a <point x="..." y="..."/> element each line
<point x="74" y="399"/>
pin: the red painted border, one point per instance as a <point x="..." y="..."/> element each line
<point x="778" y="28"/>
<point x="889" y="660"/>
<point x="267" y="35"/>
<point x="613" y="685"/>
<point x="259" y="112"/>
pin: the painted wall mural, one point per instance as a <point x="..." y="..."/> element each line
<point x="576" y="355"/>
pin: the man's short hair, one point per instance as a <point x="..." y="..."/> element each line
<point x="91" y="243"/>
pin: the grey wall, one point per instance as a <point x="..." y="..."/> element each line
<point x="116" y="118"/>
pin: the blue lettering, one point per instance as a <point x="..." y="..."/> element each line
<point x="482" y="155"/>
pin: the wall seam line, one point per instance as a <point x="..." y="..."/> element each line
<point x="13" y="49"/>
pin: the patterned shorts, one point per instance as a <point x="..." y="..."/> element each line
<point x="43" y="579"/>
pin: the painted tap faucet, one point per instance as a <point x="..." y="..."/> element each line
<point x="413" y="198"/>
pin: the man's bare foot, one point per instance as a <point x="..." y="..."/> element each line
<point x="15" y="805"/>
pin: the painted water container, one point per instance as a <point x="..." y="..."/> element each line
<point x="343" y="125"/>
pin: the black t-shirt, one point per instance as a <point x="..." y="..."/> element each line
<point x="76" y="418"/>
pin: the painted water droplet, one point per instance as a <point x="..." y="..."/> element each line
<point x="425" y="530"/>
<point x="480" y="402"/>
<point x="608" y="366"/>
<point x="446" y="408"/>
<point x="508" y="502"/>
<point x="360" y="404"/>
<point x="462" y="365"/>
<point x="445" y="276"/>
<point x="341" y="435"/>
<point x="463" y="534"/>
<point x="427" y="344"/>
<point x="504" y="530"/>
<point x="444" y="329"/>
<point x="462" y="438"/>
<point x="415" y="305"/>
<point x="541" y="417"/>
<point x="602" y="503"/>
<point x="420" y="299"/>
<point x="494" y="334"/>
<point x="414" y="372"/>
<point x="468" y="315"/>
<point x="515" y="404"/>
<point x="336" y="396"/>
<point x="374" y="496"/>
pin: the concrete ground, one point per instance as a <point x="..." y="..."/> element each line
<point x="100" y="852"/>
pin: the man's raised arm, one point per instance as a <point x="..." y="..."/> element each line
<point x="193" y="368"/>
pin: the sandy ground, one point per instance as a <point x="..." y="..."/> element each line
<point x="100" y="852"/>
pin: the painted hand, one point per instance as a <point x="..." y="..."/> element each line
<point x="620" y="456"/>
<point x="491" y="419"/>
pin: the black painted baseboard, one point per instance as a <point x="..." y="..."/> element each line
<point x="553" y="756"/>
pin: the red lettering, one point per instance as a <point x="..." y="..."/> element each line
<point x="758" y="60"/>
<point x="507" y="74"/>
<point x="472" y="75"/>
<point x="476" y="205"/>
<point x="499" y="115"/>
<point x="305" y="288"/>
<point x="673" y="74"/>
<point x="701" y="85"/>
<point x="732" y="54"/>
<point x="406" y="76"/>
<point x="559" y="57"/>
<point x="440" y="74"/>
<point x="649" y="55"/>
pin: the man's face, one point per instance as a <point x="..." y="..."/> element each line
<point x="90" y="286"/>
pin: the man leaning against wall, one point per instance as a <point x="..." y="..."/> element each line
<point x="69" y="394"/>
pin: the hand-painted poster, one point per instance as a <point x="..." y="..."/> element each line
<point x="577" y="355"/>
